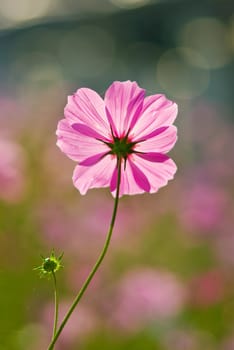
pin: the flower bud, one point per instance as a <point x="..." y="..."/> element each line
<point x="50" y="264"/>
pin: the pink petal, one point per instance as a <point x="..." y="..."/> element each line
<point x="162" y="143"/>
<point x="92" y="160"/>
<point x="75" y="145"/>
<point x="124" y="101"/>
<point x="140" y="177"/>
<point x="128" y="184"/>
<point x="87" y="131"/>
<point x="97" y="175"/>
<point x="154" y="133"/>
<point x="157" y="112"/>
<point x="87" y="107"/>
<point x="153" y="157"/>
<point x="132" y="179"/>
<point x="157" y="173"/>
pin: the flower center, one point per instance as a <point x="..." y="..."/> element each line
<point x="50" y="265"/>
<point x="122" y="147"/>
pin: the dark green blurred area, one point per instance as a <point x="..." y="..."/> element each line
<point x="183" y="234"/>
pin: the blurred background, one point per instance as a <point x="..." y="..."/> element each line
<point x="168" y="280"/>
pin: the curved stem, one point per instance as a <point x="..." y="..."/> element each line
<point x="55" y="305"/>
<point x="97" y="264"/>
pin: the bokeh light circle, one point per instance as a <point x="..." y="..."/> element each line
<point x="179" y="78"/>
<point x="129" y="3"/>
<point x="231" y="33"/>
<point x="37" y="70"/>
<point x="23" y="10"/>
<point x="209" y="37"/>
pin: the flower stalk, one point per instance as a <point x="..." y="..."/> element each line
<point x="97" y="264"/>
<point x="56" y="304"/>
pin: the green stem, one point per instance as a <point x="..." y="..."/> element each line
<point x="55" y="305"/>
<point x="97" y="264"/>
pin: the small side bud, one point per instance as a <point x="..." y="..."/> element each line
<point x="49" y="265"/>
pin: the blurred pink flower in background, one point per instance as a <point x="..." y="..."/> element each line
<point x="60" y="229"/>
<point x="207" y="289"/>
<point x="139" y="130"/>
<point x="12" y="171"/>
<point x="208" y="138"/>
<point x="77" y="274"/>
<point x="189" y="339"/>
<point x="59" y="181"/>
<point x="82" y="322"/>
<point x="202" y="207"/>
<point x="224" y="246"/>
<point x="81" y="229"/>
<point x="97" y="209"/>
<point x="147" y="295"/>
<point x="228" y="343"/>
<point x="181" y="340"/>
<point x="207" y="130"/>
<point x="205" y="121"/>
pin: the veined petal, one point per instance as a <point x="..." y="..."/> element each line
<point x="93" y="159"/>
<point x="153" y="157"/>
<point x="157" y="173"/>
<point x="87" y="107"/>
<point x="75" y="145"/>
<point x="131" y="183"/>
<point x="161" y="143"/>
<point x="157" y="112"/>
<point x="97" y="175"/>
<point x="87" y="131"/>
<point x="124" y="101"/>
<point x="139" y="177"/>
<point x="154" y="133"/>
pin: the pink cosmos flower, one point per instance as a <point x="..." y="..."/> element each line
<point x="124" y="125"/>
